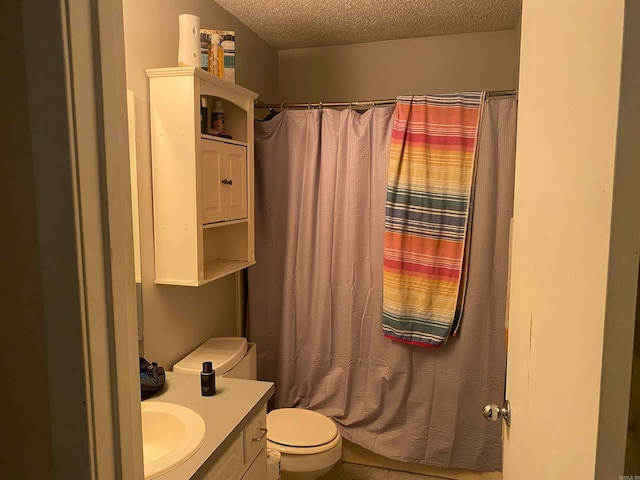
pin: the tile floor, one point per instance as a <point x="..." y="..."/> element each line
<point x="352" y="471"/>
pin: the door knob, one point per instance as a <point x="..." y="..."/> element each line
<point x="227" y="182"/>
<point x="495" y="412"/>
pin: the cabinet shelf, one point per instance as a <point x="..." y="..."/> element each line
<point x="231" y="141"/>
<point x="223" y="224"/>
<point x="219" y="268"/>
<point x="202" y="184"/>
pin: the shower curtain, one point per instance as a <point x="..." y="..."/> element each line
<point x="315" y="293"/>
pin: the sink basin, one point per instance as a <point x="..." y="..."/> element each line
<point x="170" y="435"/>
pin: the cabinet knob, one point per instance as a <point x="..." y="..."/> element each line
<point x="227" y="182"/>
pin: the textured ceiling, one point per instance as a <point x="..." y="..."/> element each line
<point x="286" y="24"/>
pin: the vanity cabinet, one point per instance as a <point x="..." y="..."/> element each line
<point x="246" y="457"/>
<point x="203" y="194"/>
<point x="235" y="418"/>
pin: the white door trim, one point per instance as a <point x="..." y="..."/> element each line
<point x="74" y="62"/>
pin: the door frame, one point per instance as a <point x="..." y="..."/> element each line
<point x="78" y="135"/>
<point x="96" y="113"/>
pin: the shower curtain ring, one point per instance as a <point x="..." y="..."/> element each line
<point x="320" y="106"/>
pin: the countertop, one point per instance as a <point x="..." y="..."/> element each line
<point x="225" y="414"/>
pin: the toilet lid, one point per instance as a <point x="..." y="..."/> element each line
<point x="297" y="427"/>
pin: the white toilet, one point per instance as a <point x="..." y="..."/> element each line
<point x="309" y="443"/>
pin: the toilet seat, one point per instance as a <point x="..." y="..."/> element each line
<point x="297" y="431"/>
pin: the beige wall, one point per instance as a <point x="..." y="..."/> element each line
<point x="378" y="70"/>
<point x="177" y="319"/>
<point x="575" y="244"/>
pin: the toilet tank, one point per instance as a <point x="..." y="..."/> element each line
<point x="232" y="357"/>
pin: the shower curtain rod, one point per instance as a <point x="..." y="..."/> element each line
<point x="363" y="104"/>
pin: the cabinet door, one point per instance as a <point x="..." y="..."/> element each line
<point x="211" y="182"/>
<point x="230" y="466"/>
<point x="255" y="435"/>
<point x="236" y="190"/>
<point x="258" y="469"/>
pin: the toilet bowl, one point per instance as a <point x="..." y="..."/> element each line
<point x="309" y="443"/>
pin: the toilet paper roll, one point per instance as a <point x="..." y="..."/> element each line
<point x="189" y="41"/>
<point x="273" y="464"/>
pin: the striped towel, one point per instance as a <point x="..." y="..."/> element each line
<point x="431" y="172"/>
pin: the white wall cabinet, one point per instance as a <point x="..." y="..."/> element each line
<point x="202" y="185"/>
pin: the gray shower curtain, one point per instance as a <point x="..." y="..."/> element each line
<point x="315" y="293"/>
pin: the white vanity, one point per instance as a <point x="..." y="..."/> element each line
<point x="234" y="446"/>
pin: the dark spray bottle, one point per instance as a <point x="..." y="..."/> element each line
<point x="208" y="380"/>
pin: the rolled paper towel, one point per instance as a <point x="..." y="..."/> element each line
<point x="273" y="464"/>
<point x="189" y="41"/>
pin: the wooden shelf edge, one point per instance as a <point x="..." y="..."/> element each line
<point x="204" y="136"/>
<point x="217" y="270"/>
<point x="175" y="283"/>
<point x="221" y="268"/>
<point x="202" y="74"/>
<point x="206" y="226"/>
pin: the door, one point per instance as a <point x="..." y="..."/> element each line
<point x="236" y="186"/>
<point x="574" y="242"/>
<point x="72" y="306"/>
<point x="224" y="181"/>
<point x="212" y="188"/>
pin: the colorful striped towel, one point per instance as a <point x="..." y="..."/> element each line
<point x="431" y="172"/>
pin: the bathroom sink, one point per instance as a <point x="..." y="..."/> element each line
<point x="170" y="435"/>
